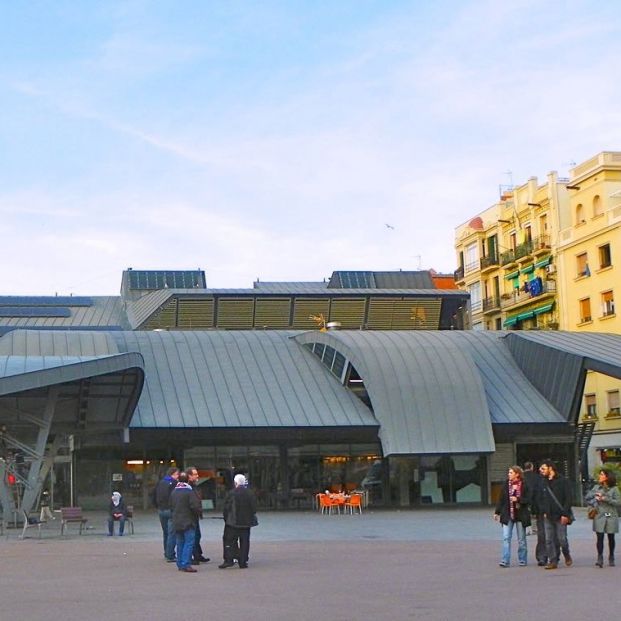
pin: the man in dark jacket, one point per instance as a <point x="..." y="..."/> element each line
<point x="163" y="490"/>
<point x="534" y="480"/>
<point x="197" y="551"/>
<point x="554" y="502"/>
<point x="240" y="508"/>
<point x="186" y="509"/>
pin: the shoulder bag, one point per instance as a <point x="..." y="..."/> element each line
<point x="570" y="517"/>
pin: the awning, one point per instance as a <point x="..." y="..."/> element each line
<point x="544" y="262"/>
<point x="510" y="321"/>
<point x="525" y="315"/>
<point x="528" y="269"/>
<point x="512" y="275"/>
<point x="543" y="309"/>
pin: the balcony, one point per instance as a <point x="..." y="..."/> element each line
<point x="458" y="274"/>
<point x="488" y="263"/>
<point x="520" y="296"/>
<point x="541" y="245"/>
<point x="508" y="257"/>
<point x="491" y="304"/>
<point x="524" y="250"/>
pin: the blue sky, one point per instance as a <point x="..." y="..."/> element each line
<point x="275" y="140"/>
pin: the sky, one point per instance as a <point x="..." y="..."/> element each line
<point x="276" y="140"/>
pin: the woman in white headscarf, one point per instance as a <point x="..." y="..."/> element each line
<point x="117" y="512"/>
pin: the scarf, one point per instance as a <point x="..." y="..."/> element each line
<point x="515" y="489"/>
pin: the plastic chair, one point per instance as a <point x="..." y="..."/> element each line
<point x="354" y="502"/>
<point x="327" y="504"/>
<point x="30" y="522"/>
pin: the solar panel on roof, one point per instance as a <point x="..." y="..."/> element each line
<point x="152" y="280"/>
<point x="56" y="300"/>
<point x="34" y="311"/>
<point x="356" y="280"/>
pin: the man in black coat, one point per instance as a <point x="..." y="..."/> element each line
<point x="186" y="509"/>
<point x="162" y="493"/>
<point x="534" y="480"/>
<point x="240" y="508"/>
<point x="554" y="502"/>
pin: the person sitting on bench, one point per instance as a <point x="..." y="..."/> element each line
<point x="117" y="512"/>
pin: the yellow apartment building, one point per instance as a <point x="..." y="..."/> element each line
<point x="589" y="268"/>
<point x="506" y="261"/>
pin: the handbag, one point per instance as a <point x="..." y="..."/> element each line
<point x="592" y="513"/>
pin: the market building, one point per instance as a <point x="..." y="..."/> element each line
<point x="381" y="392"/>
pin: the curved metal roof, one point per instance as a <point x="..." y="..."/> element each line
<point x="426" y="392"/>
<point x="35" y="360"/>
<point x="236" y="379"/>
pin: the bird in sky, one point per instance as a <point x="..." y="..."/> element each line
<point x="389" y="226"/>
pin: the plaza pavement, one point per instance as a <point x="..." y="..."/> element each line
<point x="427" y="564"/>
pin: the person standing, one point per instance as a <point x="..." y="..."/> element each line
<point x="512" y="510"/>
<point x="197" y="551"/>
<point x="239" y="511"/>
<point x="554" y="502"/>
<point x="117" y="512"/>
<point x="605" y="498"/>
<point x="534" y="480"/>
<point x="186" y="509"/>
<point x="163" y="490"/>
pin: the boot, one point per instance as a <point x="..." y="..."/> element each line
<point x="600" y="561"/>
<point x="611" y="560"/>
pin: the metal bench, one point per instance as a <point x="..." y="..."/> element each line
<point x="71" y="515"/>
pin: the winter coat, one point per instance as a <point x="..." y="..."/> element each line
<point x="120" y="508"/>
<point x="240" y="507"/>
<point x="607" y="518"/>
<point x="186" y="507"/>
<point x="522" y="511"/>
<point x="547" y="505"/>
<point x="163" y="489"/>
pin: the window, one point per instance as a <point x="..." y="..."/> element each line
<point x="475" y="296"/>
<point x="543" y="224"/>
<point x="472" y="257"/>
<point x="582" y="265"/>
<point x="585" y="310"/>
<point x="591" y="406"/>
<point x="580" y="214"/>
<point x="608" y="304"/>
<point x="605" y="259"/>
<point x="613" y="403"/>
<point x="597" y="206"/>
<point x="513" y="241"/>
<point x="528" y="233"/>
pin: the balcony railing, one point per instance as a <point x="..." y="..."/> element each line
<point x="523" y="250"/>
<point x="458" y="274"/>
<point x="520" y="295"/>
<point x="490" y="261"/>
<point x="507" y="257"/>
<point x="541" y="243"/>
<point x="490" y="304"/>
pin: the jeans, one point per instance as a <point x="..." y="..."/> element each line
<point x="556" y="539"/>
<point x="168" y="534"/>
<point x="111" y="522"/>
<point x="185" y="544"/>
<point x="507" y="532"/>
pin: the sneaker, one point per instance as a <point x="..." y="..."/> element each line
<point x="225" y="565"/>
<point x="569" y="561"/>
<point x="171" y="560"/>
<point x="503" y="564"/>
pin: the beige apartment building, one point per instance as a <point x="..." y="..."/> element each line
<point x="548" y="257"/>
<point x="588" y="255"/>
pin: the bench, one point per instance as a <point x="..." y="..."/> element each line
<point x="71" y="515"/>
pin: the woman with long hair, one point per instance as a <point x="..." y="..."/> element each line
<point x="512" y="510"/>
<point x="605" y="498"/>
